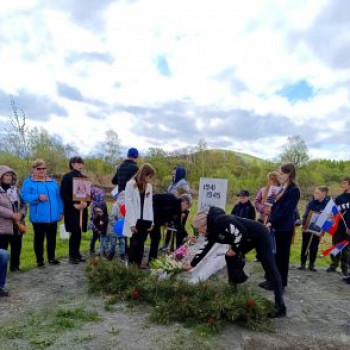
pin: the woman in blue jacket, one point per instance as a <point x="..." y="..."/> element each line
<point x="282" y="220"/>
<point x="42" y="193"/>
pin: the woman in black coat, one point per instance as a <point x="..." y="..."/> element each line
<point x="72" y="210"/>
<point x="282" y="220"/>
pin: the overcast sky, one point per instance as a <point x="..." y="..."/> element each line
<point x="243" y="75"/>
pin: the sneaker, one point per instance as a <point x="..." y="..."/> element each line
<point x="164" y="248"/>
<point x="331" y="269"/>
<point x="301" y="267"/>
<point x="54" y="262"/>
<point x="81" y="259"/>
<point x="41" y="265"/>
<point x="3" y="293"/>
<point x="15" y="269"/>
<point x="312" y="268"/>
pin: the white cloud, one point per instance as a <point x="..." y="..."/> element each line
<point x="223" y="56"/>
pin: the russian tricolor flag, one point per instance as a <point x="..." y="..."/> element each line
<point x="329" y="219"/>
<point x="336" y="249"/>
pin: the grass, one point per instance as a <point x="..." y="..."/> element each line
<point x="43" y="328"/>
<point x="28" y="260"/>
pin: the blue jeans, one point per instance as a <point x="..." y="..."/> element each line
<point x="107" y="245"/>
<point x="4" y="257"/>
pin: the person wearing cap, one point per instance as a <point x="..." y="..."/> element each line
<point x="42" y="193"/>
<point x="244" y="208"/>
<point x="126" y="170"/>
<point x="243" y="235"/>
<point x="72" y="210"/>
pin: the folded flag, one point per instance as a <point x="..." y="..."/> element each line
<point x="336" y="249"/>
<point x="329" y="219"/>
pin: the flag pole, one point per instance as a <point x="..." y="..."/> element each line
<point x="307" y="252"/>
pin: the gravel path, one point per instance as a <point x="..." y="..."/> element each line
<point x="318" y="315"/>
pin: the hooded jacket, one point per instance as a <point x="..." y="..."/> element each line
<point x="230" y="229"/>
<point x="179" y="182"/>
<point x="10" y="203"/>
<point x="42" y="211"/>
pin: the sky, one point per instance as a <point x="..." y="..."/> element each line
<point x="243" y="75"/>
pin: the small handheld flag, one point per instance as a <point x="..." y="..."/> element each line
<point x="329" y="219"/>
<point x="336" y="249"/>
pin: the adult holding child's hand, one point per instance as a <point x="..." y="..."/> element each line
<point x="42" y="193"/>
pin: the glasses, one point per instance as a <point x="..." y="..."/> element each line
<point x="41" y="168"/>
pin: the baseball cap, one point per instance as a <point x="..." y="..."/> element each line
<point x="133" y="153"/>
<point x="244" y="193"/>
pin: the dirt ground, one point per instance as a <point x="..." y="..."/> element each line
<point x="318" y="316"/>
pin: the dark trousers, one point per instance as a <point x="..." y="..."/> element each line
<point x="15" y="242"/>
<point x="344" y="256"/>
<point x="40" y="231"/>
<point x="283" y="243"/>
<point x="312" y="253"/>
<point x="137" y="247"/>
<point x="94" y="238"/>
<point x="155" y="236"/>
<point x="74" y="244"/>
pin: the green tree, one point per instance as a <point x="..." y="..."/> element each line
<point x="295" y="151"/>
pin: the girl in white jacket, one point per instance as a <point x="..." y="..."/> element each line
<point x="139" y="212"/>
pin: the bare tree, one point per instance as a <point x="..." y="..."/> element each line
<point x="17" y="133"/>
<point x="111" y="146"/>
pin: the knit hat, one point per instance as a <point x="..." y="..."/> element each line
<point x="200" y="219"/>
<point x="133" y="153"/>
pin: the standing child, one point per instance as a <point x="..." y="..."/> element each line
<point x="310" y="240"/>
<point x="116" y="214"/>
<point x="244" y="208"/>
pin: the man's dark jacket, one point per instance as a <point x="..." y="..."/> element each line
<point x="125" y="172"/>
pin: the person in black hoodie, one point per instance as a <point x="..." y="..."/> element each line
<point x="126" y="170"/>
<point x="343" y="232"/>
<point x="282" y="221"/>
<point x="244" y="208"/>
<point x="168" y="208"/>
<point x="72" y="210"/>
<point x="317" y="205"/>
<point x="243" y="235"/>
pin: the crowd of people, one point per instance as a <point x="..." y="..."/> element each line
<point x="137" y="214"/>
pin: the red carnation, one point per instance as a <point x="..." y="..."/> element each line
<point x="212" y="321"/>
<point x="135" y="294"/>
<point x="251" y="302"/>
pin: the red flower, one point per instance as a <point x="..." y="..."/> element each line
<point x="135" y="294"/>
<point x="212" y="321"/>
<point x="251" y="302"/>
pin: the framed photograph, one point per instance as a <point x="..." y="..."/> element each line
<point x="81" y="189"/>
<point x="310" y="224"/>
<point x="272" y="195"/>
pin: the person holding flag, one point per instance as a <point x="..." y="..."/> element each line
<point x="341" y="231"/>
<point x="311" y="241"/>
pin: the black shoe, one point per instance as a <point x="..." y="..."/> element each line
<point x="54" y="262"/>
<point x="3" y="293"/>
<point x="312" y="268"/>
<point x="81" y="259"/>
<point x="41" y="265"/>
<point x="331" y="269"/>
<point x="345" y="272"/>
<point x="15" y="269"/>
<point x="281" y="311"/>
<point x="267" y="285"/>
<point x="301" y="267"/>
<point x="73" y="261"/>
<point x="346" y="280"/>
